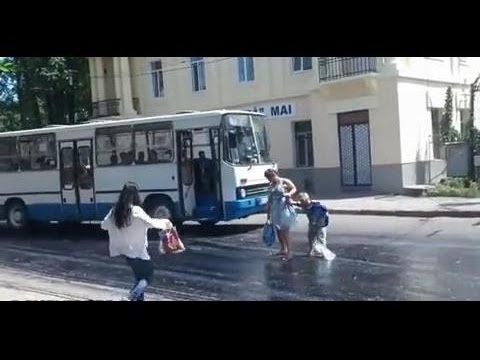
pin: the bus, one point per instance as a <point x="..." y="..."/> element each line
<point x="205" y="166"/>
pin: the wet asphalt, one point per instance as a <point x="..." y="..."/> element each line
<point x="378" y="258"/>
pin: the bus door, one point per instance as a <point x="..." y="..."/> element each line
<point x="77" y="180"/>
<point x="199" y="173"/>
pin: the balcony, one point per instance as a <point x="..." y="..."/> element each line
<point x="105" y="108"/>
<point x="334" y="68"/>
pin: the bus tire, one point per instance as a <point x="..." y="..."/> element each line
<point x="158" y="209"/>
<point x="161" y="211"/>
<point x="17" y="215"/>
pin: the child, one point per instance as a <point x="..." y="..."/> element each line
<point x="318" y="220"/>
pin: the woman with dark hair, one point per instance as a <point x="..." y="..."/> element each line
<point x="280" y="210"/>
<point x="127" y="226"/>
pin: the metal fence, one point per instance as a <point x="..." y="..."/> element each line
<point x="332" y="68"/>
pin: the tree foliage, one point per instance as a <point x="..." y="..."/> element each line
<point x="38" y="91"/>
<point x="448" y="132"/>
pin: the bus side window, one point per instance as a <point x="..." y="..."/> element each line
<point x="114" y="158"/>
<point x="114" y="146"/>
<point x="8" y="154"/>
<point x="37" y="152"/>
<point x="155" y="141"/>
<point x="152" y="156"/>
<point x="141" y="157"/>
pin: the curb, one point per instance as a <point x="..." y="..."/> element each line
<point x="409" y="213"/>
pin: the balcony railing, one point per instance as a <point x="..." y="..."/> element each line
<point x="104" y="108"/>
<point x="333" y="68"/>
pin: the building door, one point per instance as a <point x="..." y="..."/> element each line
<point x="354" y="140"/>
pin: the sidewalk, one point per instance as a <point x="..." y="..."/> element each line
<point x="399" y="205"/>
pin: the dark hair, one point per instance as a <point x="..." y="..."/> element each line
<point x="122" y="211"/>
<point x="270" y="172"/>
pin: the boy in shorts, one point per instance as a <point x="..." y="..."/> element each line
<point x="318" y="220"/>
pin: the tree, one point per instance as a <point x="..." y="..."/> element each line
<point x="44" y="90"/>
<point x="448" y="132"/>
<point x="9" y="112"/>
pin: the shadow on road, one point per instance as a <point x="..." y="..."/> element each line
<point x="93" y="231"/>
<point x="218" y="230"/>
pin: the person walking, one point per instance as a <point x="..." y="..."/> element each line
<point x="127" y="225"/>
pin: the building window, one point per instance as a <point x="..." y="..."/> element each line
<point x="301" y="63"/>
<point x="246" y="70"/>
<point x="198" y="74"/>
<point x="436" y="133"/>
<point x="303" y="143"/>
<point x="157" y="78"/>
<point x="114" y="146"/>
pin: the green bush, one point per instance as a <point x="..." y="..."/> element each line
<point x="456" y="187"/>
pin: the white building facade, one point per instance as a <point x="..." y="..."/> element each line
<point x="336" y="124"/>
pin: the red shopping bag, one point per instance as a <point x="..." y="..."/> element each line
<point x="171" y="243"/>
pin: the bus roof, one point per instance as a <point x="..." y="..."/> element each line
<point x="126" y="121"/>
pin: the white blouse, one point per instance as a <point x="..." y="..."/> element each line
<point x="131" y="241"/>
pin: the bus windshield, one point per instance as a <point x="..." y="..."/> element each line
<point x="246" y="140"/>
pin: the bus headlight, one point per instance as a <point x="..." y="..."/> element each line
<point x="242" y="193"/>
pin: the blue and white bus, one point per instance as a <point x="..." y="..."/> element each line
<point x="202" y="166"/>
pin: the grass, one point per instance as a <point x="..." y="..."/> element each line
<point x="456" y="187"/>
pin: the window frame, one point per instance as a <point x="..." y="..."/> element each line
<point x="154" y="127"/>
<point x="133" y="129"/>
<point x="197" y="63"/>
<point x="158" y="81"/>
<point x="242" y="69"/>
<point x="307" y="136"/>
<point x="52" y="139"/>
<point x="13" y="155"/>
<point x="62" y="168"/>
<point x="113" y="130"/>
<point x="302" y="64"/>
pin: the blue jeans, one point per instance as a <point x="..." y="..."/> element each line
<point x="142" y="270"/>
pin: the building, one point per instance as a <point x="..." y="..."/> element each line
<point x="336" y="123"/>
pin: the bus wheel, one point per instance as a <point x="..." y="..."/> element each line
<point x="158" y="211"/>
<point x="17" y="217"/>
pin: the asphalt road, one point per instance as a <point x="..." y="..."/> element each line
<point x="378" y="258"/>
